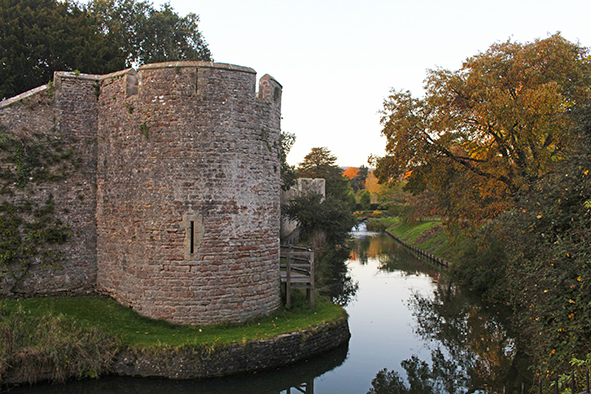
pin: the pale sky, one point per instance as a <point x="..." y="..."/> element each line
<point x="338" y="60"/>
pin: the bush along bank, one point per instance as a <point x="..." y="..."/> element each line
<point x="61" y="338"/>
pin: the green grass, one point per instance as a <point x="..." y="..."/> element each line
<point x="437" y="242"/>
<point x="417" y="234"/>
<point x="409" y="232"/>
<point x="54" y="346"/>
<point x="61" y="338"/>
<point x="136" y="332"/>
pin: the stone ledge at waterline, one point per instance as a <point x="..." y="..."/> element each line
<point x="200" y="363"/>
<point x="237" y="358"/>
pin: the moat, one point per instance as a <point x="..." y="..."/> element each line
<point x="405" y="316"/>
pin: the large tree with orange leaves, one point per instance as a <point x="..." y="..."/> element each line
<point x="486" y="132"/>
<point x="351" y="172"/>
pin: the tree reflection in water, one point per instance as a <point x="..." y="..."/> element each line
<point x="333" y="278"/>
<point x="472" y="350"/>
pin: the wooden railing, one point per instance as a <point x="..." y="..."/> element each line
<point x="420" y="252"/>
<point x="297" y="271"/>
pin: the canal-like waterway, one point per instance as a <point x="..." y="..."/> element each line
<point x="408" y="322"/>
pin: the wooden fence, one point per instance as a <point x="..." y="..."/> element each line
<point x="297" y="271"/>
<point x="420" y="252"/>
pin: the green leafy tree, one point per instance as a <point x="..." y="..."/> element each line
<point x="488" y="131"/>
<point x="320" y="163"/>
<point x="147" y="35"/>
<point x="351" y="200"/>
<point x="364" y="198"/>
<point x="314" y="213"/>
<point x="330" y="220"/>
<point x="38" y="37"/>
<point x="289" y="175"/>
<point x="325" y="223"/>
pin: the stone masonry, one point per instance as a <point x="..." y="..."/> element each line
<point x="173" y="204"/>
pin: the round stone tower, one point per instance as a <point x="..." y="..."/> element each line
<point x="188" y="191"/>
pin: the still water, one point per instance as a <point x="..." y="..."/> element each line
<point x="405" y="317"/>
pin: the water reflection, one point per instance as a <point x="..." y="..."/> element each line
<point x="333" y="277"/>
<point x="472" y="339"/>
<point x="471" y="348"/>
<point x="391" y="255"/>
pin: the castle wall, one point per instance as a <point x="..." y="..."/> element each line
<point x="171" y="191"/>
<point x="53" y="157"/>
<point x="188" y="191"/>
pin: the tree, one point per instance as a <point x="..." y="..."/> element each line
<point x="320" y="163"/>
<point x="42" y="36"/>
<point x="351" y="172"/>
<point x="358" y="182"/>
<point x="147" y="35"/>
<point x="288" y="172"/>
<point x="364" y="198"/>
<point x="548" y="235"/>
<point x="325" y="224"/>
<point x="372" y="183"/>
<point x="357" y="177"/>
<point x="488" y="131"/>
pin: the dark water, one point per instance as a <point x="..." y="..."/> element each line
<point x="405" y="316"/>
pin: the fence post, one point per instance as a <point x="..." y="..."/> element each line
<point x="311" y="294"/>
<point x="288" y="277"/>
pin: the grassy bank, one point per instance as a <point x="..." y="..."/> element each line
<point x="429" y="235"/>
<point x="78" y="336"/>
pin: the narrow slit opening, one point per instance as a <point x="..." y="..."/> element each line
<point x="192" y="237"/>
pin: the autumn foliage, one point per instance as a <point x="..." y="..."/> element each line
<point x="488" y="131"/>
<point x="502" y="148"/>
<point x="351" y="172"/>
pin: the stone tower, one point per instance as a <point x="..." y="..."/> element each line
<point x="187" y="188"/>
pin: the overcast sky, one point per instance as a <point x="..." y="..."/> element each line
<point x="338" y="60"/>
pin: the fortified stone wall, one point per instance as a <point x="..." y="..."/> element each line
<point x="174" y="205"/>
<point x="48" y="161"/>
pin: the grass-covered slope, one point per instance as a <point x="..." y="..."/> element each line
<point x="64" y="337"/>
